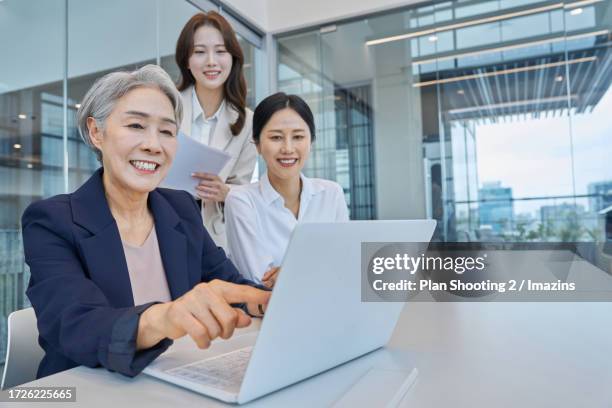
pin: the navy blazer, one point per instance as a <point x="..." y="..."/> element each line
<point x="80" y="287"/>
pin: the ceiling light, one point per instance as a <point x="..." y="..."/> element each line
<point x="466" y="24"/>
<point x="22" y="116"/>
<point x="581" y="3"/>
<point x="78" y="105"/>
<point x="504" y="72"/>
<point x="491" y="19"/>
<point x="576" y="11"/>
<point x="509" y="47"/>
<point x="328" y="29"/>
<point x="559" y="78"/>
<point x="512" y="104"/>
<point x="30" y="165"/>
<point x="461" y="92"/>
<point x="433" y="38"/>
<point x="17" y="146"/>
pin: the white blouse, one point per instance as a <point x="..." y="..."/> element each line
<point x="201" y="127"/>
<point x="258" y="224"/>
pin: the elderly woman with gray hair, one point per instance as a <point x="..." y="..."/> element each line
<point x="120" y="268"/>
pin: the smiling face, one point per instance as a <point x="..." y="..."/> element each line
<point x="210" y="63"/>
<point x="138" y="142"/>
<point x="284" y="144"/>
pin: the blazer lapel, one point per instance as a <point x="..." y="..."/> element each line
<point x="222" y="136"/>
<point x="186" y="96"/>
<point x="102" y="251"/>
<point x="172" y="244"/>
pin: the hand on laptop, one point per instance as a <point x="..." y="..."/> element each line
<point x="269" y="278"/>
<point x="204" y="313"/>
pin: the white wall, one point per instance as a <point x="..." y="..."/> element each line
<point x="276" y="16"/>
<point x="285" y="15"/>
<point x="255" y="11"/>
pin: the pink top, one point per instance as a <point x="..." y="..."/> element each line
<point x="146" y="270"/>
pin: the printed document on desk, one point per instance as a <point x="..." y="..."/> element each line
<point x="193" y="156"/>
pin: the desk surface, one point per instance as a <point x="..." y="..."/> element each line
<point x="467" y="354"/>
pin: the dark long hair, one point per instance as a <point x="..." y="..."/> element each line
<point x="235" y="87"/>
<point x="276" y="102"/>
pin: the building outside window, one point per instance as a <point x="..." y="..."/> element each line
<point x="490" y="116"/>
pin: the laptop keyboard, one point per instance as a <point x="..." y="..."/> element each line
<point x="225" y="371"/>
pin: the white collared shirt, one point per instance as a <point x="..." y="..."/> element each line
<point x="202" y="129"/>
<point x="258" y="224"/>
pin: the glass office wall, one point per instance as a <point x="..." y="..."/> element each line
<point x="46" y="46"/>
<point x="490" y="116"/>
<point x="30" y="93"/>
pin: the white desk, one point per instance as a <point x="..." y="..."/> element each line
<point x="467" y="354"/>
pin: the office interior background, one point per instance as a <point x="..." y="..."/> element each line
<point x="491" y="116"/>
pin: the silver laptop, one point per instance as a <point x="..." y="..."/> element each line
<point x="315" y="319"/>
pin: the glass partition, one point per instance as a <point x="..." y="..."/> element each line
<point x="31" y="129"/>
<point x="52" y="52"/>
<point x="489" y="116"/>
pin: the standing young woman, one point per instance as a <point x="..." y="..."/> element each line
<point x="213" y="90"/>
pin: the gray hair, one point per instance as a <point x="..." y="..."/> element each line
<point x="106" y="91"/>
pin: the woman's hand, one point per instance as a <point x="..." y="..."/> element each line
<point x="204" y="313"/>
<point x="269" y="278"/>
<point x="211" y="187"/>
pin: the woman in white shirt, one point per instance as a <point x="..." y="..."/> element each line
<point x="213" y="90"/>
<point x="261" y="216"/>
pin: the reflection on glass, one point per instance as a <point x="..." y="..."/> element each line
<point x="31" y="132"/>
<point x="101" y="37"/>
<point x="489" y="116"/>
